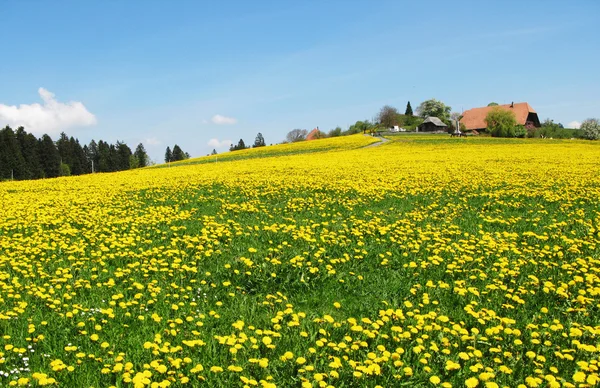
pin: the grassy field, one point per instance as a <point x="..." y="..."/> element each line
<point x="426" y="261"/>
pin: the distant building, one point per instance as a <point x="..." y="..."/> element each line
<point x="474" y="119"/>
<point x="432" y="124"/>
<point x="314" y="134"/>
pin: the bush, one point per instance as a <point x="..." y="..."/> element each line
<point x="65" y="170"/>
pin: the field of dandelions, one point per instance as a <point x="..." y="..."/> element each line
<point x="426" y="261"/>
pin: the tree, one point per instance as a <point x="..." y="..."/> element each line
<point x="492" y="104"/>
<point x="49" y="157"/>
<point x="388" y="116"/>
<point x="408" y="111"/>
<point x="64" y="170"/>
<point x="29" y="144"/>
<point x="434" y="108"/>
<point x="501" y="123"/>
<point x="141" y="155"/>
<point x="168" y="155"/>
<point x="133" y="162"/>
<point x="78" y="160"/>
<point x="93" y="156"/>
<point x="591" y="129"/>
<point x="337" y="131"/>
<point x="178" y="153"/>
<point x="104" y="157"/>
<point x="214" y="152"/>
<point x="296" y="135"/>
<point x="123" y="154"/>
<point x="359" y="126"/>
<point x="259" y="141"/>
<point x="12" y="164"/>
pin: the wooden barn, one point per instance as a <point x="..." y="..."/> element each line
<point x="474" y="119"/>
<point x="432" y="124"/>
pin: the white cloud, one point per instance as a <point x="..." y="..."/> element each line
<point x="574" y="125"/>
<point x="222" y="120"/>
<point x="216" y="143"/>
<point x="152" y="141"/>
<point x="51" y="117"/>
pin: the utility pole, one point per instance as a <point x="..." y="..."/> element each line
<point x="92" y="166"/>
<point x="12" y="174"/>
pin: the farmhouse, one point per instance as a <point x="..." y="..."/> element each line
<point x="314" y="134"/>
<point x="474" y="119"/>
<point x="432" y="124"/>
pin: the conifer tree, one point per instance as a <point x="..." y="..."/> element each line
<point x="123" y="154"/>
<point x="141" y="155"/>
<point x="49" y="157"/>
<point x="259" y="141"/>
<point x="178" y="153"/>
<point x="29" y="145"/>
<point x="12" y="164"/>
<point x="168" y="155"/>
<point x="104" y="162"/>
<point x="409" y="111"/>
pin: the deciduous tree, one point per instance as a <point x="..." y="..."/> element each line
<point x="501" y="123"/>
<point x="591" y="129"/>
<point x="434" y="108"/>
<point x="296" y="135"/>
<point x="388" y="116"/>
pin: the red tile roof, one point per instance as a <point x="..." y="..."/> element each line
<point x="475" y="118"/>
<point x="312" y="135"/>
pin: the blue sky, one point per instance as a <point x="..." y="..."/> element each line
<point x="166" y="72"/>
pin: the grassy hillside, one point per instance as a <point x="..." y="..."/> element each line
<point x="424" y="261"/>
<point x="304" y="147"/>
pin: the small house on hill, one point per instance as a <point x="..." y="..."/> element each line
<point x="315" y="134"/>
<point x="474" y="119"/>
<point x="432" y="124"/>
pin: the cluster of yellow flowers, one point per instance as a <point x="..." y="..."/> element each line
<point x="426" y="261"/>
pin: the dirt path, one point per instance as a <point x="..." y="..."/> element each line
<point x="380" y="142"/>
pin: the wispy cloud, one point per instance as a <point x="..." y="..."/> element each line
<point x="152" y="141"/>
<point x="216" y="143"/>
<point x="51" y="117"/>
<point x="223" y="120"/>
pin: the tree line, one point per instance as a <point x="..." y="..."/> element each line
<point x="259" y="141"/>
<point x="176" y="154"/>
<point x="23" y="156"/>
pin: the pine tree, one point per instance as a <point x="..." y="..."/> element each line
<point x="241" y="145"/>
<point x="64" y="149"/>
<point x="178" y="153"/>
<point x="409" y="111"/>
<point x="104" y="162"/>
<point x="259" y="141"/>
<point x="168" y="155"/>
<point x="78" y="161"/>
<point x="113" y="158"/>
<point x="12" y="164"/>
<point x="93" y="156"/>
<point x="123" y="152"/>
<point x="214" y="152"/>
<point x="141" y="155"/>
<point x="29" y="145"/>
<point x="49" y="157"/>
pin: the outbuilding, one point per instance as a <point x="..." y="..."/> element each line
<point x="432" y="124"/>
